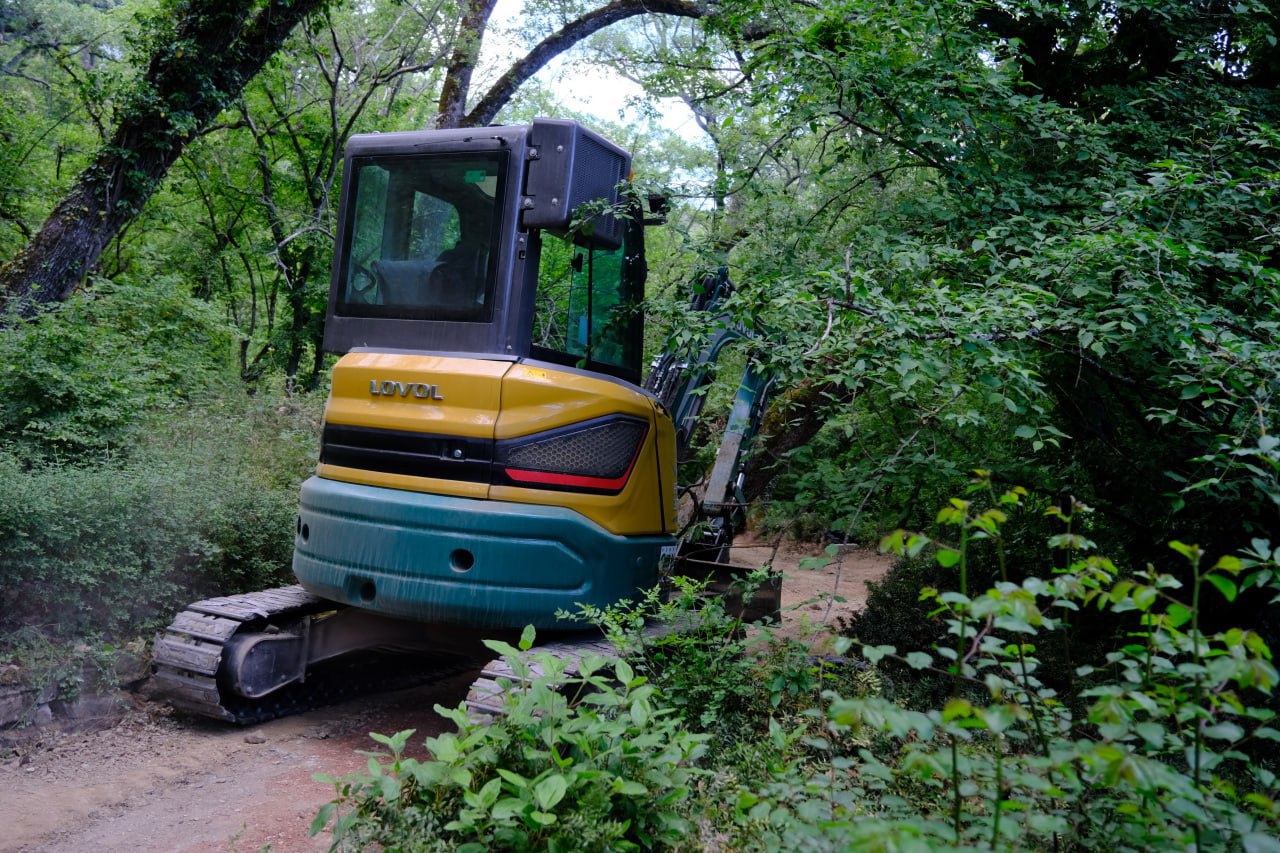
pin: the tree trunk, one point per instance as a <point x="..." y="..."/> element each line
<point x="793" y="423"/>
<point x="195" y="70"/>
<point x="466" y="52"/>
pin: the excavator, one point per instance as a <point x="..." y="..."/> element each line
<point x="490" y="455"/>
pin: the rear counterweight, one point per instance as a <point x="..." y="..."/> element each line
<point x="450" y="560"/>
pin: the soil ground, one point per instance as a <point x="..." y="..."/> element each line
<point x="149" y="781"/>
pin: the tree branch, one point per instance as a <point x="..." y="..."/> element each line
<point x="566" y="37"/>
<point x="466" y="50"/>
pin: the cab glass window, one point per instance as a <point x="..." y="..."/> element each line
<point x="587" y="307"/>
<point x="422" y="237"/>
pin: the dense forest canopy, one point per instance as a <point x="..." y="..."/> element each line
<point x="1035" y="238"/>
<point x="1085" y="268"/>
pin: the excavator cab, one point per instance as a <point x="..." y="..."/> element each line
<point x="490" y="242"/>
<point x="487" y="457"/>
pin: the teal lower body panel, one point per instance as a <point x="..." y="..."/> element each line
<point x="458" y="561"/>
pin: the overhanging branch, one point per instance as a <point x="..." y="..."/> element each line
<point x="566" y="37"/>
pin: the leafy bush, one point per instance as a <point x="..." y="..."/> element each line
<point x="113" y="550"/>
<point x="86" y="550"/>
<point x="703" y="665"/>
<point x="1164" y="742"/>
<point x="76" y="382"/>
<point x="1007" y="254"/>
<point x="896" y="614"/>
<point x="587" y="762"/>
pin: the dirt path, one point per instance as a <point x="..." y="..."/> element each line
<point x="155" y="783"/>
<point x="809" y="595"/>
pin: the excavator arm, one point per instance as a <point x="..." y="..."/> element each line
<point x="716" y="509"/>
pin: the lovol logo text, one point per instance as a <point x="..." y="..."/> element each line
<point x="421" y="390"/>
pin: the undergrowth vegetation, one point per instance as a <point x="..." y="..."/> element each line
<point x="711" y="738"/>
<point x="1036" y="237"/>
<point x="75" y="383"/>
<point x="113" y="549"/>
<point x="133" y="476"/>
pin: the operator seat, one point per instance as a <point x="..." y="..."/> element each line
<point x="458" y="281"/>
<point x="401" y="282"/>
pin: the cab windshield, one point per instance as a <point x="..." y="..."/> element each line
<point x="422" y="237"/>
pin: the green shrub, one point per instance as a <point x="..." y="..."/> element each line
<point x="90" y="550"/>
<point x="646" y="745"/>
<point x="115" y="549"/>
<point x="76" y="382"/>
<point x="1164" y="743"/>
<point x="896" y="614"/>
<point x="588" y="762"/>
<point x="703" y="666"/>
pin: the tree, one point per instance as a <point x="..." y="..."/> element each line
<point x="454" y="93"/>
<point x="53" y="56"/>
<point x="968" y="261"/>
<point x="302" y="113"/>
<point x="199" y="55"/>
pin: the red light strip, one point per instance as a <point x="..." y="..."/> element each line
<point x="578" y="481"/>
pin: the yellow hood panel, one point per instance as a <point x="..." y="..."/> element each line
<point x="476" y="398"/>
<point x="417" y="393"/>
<point x="535" y="399"/>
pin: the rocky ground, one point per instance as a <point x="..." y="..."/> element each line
<point x="135" y="777"/>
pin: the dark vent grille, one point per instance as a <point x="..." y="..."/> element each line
<point x="599" y="172"/>
<point x="598" y="169"/>
<point x="595" y="456"/>
<point x="411" y="453"/>
<point x="604" y="450"/>
<point x="574" y="167"/>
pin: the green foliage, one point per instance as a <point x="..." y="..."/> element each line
<point x="702" y="662"/>
<point x="76" y="382"/>
<point x="626" y="752"/>
<point x="1165" y="741"/>
<point x="1169" y="751"/>
<point x="264" y="190"/>
<point x="58" y="59"/>
<point x="115" y="549"/>
<point x="582" y="762"/>
<point x="895" y="614"/>
<point x="1033" y="237"/>
<point x="78" y="545"/>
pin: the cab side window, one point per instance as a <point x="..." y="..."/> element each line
<point x="587" y="307"/>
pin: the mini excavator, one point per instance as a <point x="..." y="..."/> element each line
<point x="489" y="453"/>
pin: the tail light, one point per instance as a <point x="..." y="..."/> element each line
<point x="592" y="456"/>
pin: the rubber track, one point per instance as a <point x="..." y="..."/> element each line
<point x="188" y="654"/>
<point x="487" y="698"/>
